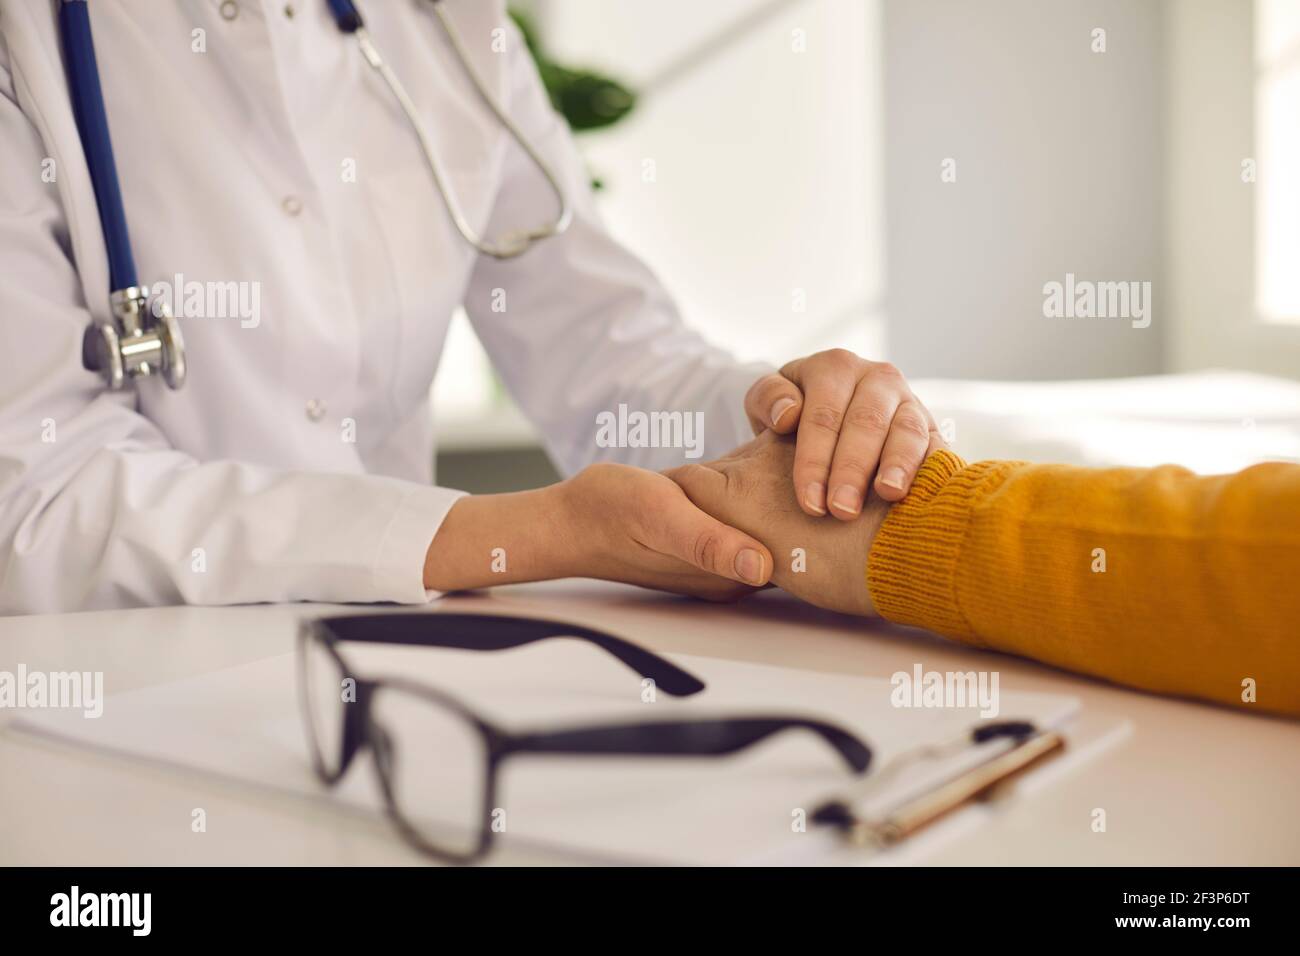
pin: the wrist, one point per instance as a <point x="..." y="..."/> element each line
<point x="872" y="519"/>
<point x="569" y="530"/>
<point x="581" y="536"/>
<point x="913" y="559"/>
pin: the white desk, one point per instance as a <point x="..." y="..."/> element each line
<point x="1193" y="784"/>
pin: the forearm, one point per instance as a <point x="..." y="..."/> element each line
<point x="1151" y="577"/>
<point x="503" y="539"/>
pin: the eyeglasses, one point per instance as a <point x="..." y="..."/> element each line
<point x="437" y="761"/>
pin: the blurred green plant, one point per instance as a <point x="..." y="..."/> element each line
<point x="586" y="99"/>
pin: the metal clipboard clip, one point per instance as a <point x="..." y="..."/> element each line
<point x="982" y="780"/>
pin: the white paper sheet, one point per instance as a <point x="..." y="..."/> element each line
<point x="245" y="723"/>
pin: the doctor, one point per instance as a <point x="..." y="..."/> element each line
<point x="262" y="158"/>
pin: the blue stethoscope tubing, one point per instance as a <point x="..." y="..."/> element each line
<point x="92" y="124"/>
<point x="142" y="337"/>
<point x="346" y="15"/>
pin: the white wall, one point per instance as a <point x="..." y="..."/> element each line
<point x="765" y="217"/>
<point x="1059" y="158"/>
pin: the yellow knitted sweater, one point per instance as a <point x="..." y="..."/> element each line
<point x="1153" y="577"/>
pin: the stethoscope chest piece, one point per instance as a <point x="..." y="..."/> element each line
<point x="143" y="339"/>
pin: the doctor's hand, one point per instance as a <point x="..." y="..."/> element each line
<point x="609" y="521"/>
<point x="822" y="562"/>
<point x="855" y="419"/>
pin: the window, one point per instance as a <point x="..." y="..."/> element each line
<point x="1277" y="133"/>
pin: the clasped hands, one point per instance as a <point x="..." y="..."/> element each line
<point x="838" y="439"/>
<point x="762" y="514"/>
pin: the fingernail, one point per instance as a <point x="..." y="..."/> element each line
<point x="749" y="566"/>
<point x="780" y="407"/>
<point x="892" y="477"/>
<point x="847" y="499"/>
<point x="814" y="498"/>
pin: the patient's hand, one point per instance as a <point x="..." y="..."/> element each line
<point x="750" y="490"/>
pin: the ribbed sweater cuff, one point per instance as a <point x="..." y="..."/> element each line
<point x="913" y="567"/>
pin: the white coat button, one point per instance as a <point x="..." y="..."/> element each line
<point x="291" y="205"/>
<point x="229" y="9"/>
<point x="315" y="409"/>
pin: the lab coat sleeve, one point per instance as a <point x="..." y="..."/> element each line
<point x="96" y="510"/>
<point x="578" y="325"/>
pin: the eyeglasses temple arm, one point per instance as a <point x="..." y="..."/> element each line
<point x="686" y="738"/>
<point x="490" y="632"/>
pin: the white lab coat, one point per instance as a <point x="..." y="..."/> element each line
<point x="244" y="485"/>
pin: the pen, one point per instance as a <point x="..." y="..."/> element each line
<point x="979" y="782"/>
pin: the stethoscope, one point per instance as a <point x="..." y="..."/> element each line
<point x="143" y="337"/>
